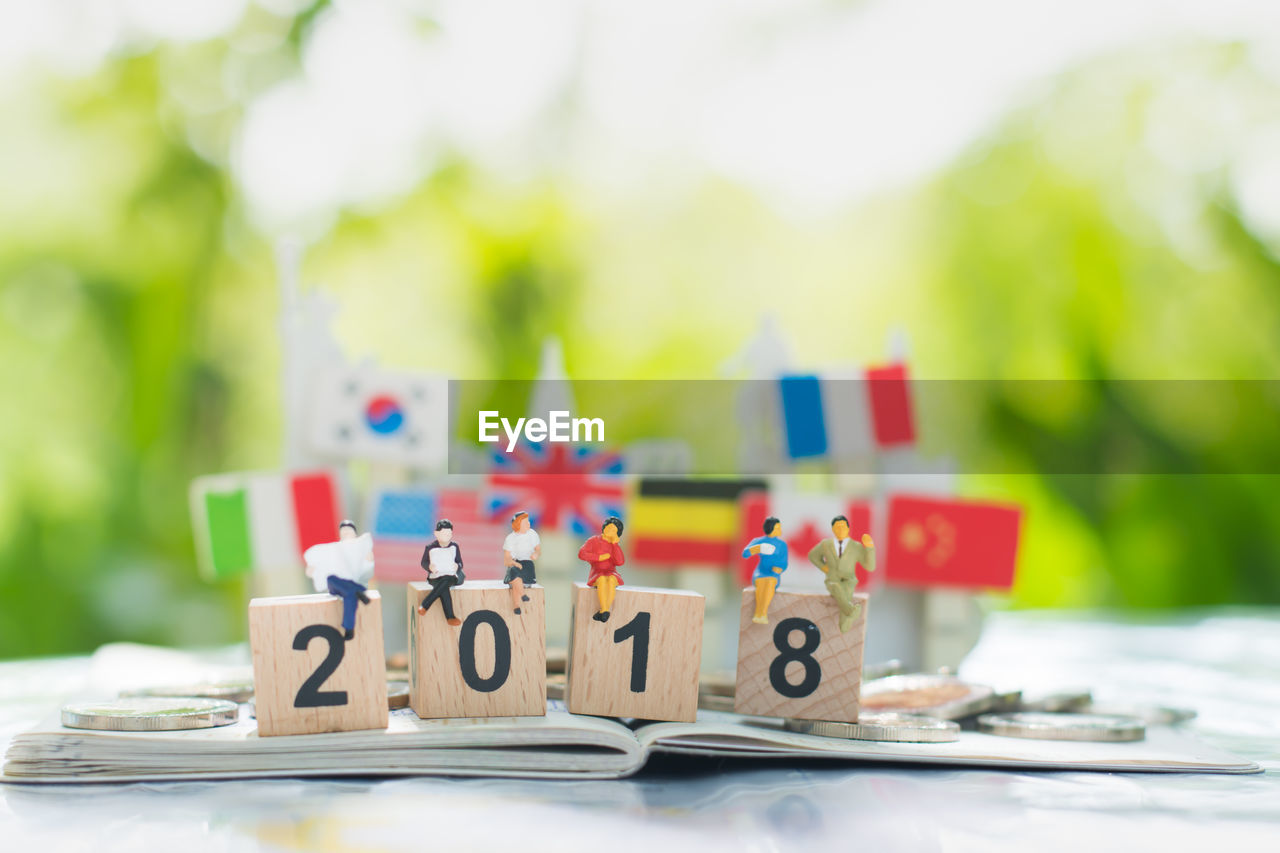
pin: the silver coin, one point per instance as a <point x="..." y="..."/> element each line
<point x="150" y="714"/>
<point x="944" y="697"/>
<point x="238" y="690"/>
<point x="708" y="702"/>
<point x="899" y="728"/>
<point x="1059" y="701"/>
<point x="1010" y="700"/>
<point x="872" y="671"/>
<point x="1048" y="726"/>
<point x="1152" y="715"/>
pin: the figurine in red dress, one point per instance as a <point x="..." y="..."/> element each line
<point x="603" y="554"/>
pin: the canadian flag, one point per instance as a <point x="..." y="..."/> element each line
<point x="806" y="520"/>
<point x="945" y="542"/>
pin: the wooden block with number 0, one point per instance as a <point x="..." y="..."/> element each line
<point x="643" y="662"/>
<point x="799" y="665"/>
<point x="492" y="665"/>
<point x="306" y="677"/>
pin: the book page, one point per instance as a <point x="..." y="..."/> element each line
<point x="558" y="743"/>
<point x="725" y="734"/>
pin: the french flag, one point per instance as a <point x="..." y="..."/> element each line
<point x="842" y="415"/>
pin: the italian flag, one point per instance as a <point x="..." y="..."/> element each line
<point x="255" y="522"/>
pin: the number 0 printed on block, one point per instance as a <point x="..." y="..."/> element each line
<point x="643" y="662"/>
<point x="306" y="677"/>
<point x="494" y="664"/>
<point x="799" y="665"/>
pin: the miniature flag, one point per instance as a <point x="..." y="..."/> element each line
<point x="846" y="410"/>
<point x="379" y="414"/>
<point x="685" y="522"/>
<point x="261" y="522"/>
<point x="803" y="418"/>
<point x="892" y="419"/>
<point x="951" y="543"/>
<point x="562" y="487"/>
<point x="403" y="522"/>
<point x="805" y="520"/>
<point x="843" y="415"/>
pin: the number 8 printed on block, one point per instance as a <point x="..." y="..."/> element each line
<point x="799" y="665"/>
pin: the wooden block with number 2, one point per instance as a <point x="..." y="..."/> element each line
<point x="799" y="665"/>
<point x="306" y="677"/>
<point x="643" y="662"/>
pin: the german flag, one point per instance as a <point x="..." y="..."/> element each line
<point x="686" y="522"/>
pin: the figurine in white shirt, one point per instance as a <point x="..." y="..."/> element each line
<point x="519" y="550"/>
<point x="343" y="568"/>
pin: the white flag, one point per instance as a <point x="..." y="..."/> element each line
<point x="392" y="416"/>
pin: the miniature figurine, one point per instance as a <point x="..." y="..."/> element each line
<point x="521" y="547"/>
<point x="838" y="558"/>
<point x="604" y="555"/>
<point x="443" y="561"/>
<point x="343" y="568"/>
<point x="772" y="551"/>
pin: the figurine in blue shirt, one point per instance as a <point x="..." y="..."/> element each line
<point x="772" y="551"/>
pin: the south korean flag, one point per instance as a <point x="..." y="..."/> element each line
<point x="389" y="416"/>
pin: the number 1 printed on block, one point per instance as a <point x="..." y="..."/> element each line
<point x="643" y="662"/>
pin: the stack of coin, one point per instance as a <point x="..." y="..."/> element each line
<point x="557" y="659"/>
<point x="397" y="694"/>
<point x="943" y="697"/>
<point x="232" y="690"/>
<point x="1075" y="699"/>
<point x="871" y="672"/>
<point x="898" y="728"/>
<point x="150" y="714"/>
<point x="1043" y="725"/>
<point x="1152" y="715"/>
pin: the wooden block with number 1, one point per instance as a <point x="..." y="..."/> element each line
<point x="492" y="665"/>
<point x="643" y="662"/>
<point x="799" y="665"/>
<point x="306" y="677"/>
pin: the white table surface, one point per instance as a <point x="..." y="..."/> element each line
<point x="1226" y="664"/>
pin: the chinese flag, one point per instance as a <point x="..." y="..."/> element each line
<point x="951" y="543"/>
<point x="892" y="421"/>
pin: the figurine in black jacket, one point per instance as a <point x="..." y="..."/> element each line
<point x="443" y="562"/>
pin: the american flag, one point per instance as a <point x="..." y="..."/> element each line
<point x="562" y="487"/>
<point x="404" y="521"/>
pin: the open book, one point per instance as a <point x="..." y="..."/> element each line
<point x="559" y="745"/>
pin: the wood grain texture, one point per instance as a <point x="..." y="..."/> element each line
<point x="600" y="669"/>
<point x="279" y="670"/>
<point x="437" y="686"/>
<point x="838" y="655"/>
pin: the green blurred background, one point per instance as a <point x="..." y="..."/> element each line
<point x="1068" y="193"/>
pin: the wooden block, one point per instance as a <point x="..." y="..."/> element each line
<point x="492" y="665"/>
<point x="643" y="662"/>
<point x="799" y="665"/>
<point x="306" y="677"/>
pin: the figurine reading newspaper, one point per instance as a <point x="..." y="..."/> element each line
<point x="343" y="568"/>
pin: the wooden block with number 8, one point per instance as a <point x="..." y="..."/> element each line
<point x="643" y="662"/>
<point x="492" y="665"/>
<point x="306" y="677"/>
<point x="799" y="665"/>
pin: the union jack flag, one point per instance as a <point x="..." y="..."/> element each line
<point x="562" y="487"/>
